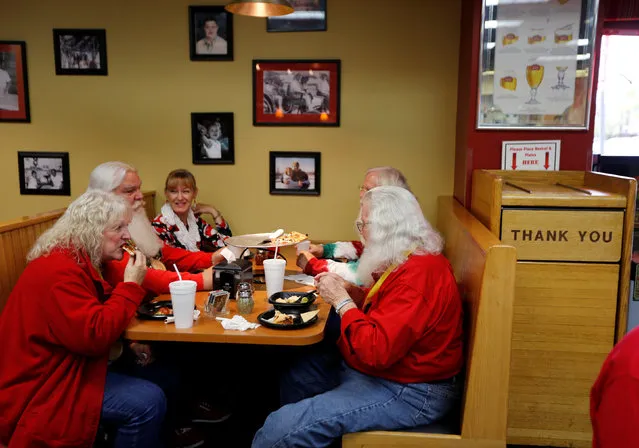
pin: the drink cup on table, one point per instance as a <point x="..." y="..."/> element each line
<point x="183" y="300"/>
<point x="304" y="245"/>
<point x="274" y="269"/>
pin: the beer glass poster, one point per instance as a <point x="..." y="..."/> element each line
<point x="536" y="52"/>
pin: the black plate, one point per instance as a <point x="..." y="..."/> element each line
<point x="297" y="321"/>
<point x="147" y="310"/>
<point x="292" y="306"/>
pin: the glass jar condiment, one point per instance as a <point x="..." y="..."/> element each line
<point x="259" y="258"/>
<point x="244" y="298"/>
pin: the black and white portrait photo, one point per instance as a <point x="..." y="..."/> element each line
<point x="14" y="85"/>
<point x="295" y="172"/>
<point x="296" y="92"/>
<point x="44" y="173"/>
<point x="211" y="33"/>
<point x="80" y="52"/>
<point x="212" y="138"/>
<point x="8" y="87"/>
<point x="309" y="15"/>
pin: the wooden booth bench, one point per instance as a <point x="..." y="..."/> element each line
<point x="18" y="236"/>
<point x="485" y="271"/>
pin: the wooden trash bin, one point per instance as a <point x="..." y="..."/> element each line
<point x="573" y="235"/>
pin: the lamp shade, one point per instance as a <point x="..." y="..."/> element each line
<point x="260" y="8"/>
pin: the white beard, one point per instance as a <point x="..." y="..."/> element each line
<point x="143" y="234"/>
<point x="372" y="260"/>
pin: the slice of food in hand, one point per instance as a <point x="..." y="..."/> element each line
<point x="309" y="315"/>
<point x="129" y="247"/>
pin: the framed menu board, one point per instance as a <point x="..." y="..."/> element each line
<point x="535" y="69"/>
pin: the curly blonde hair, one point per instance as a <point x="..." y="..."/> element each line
<point x="82" y="226"/>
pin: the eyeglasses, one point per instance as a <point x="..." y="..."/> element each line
<point x="361" y="224"/>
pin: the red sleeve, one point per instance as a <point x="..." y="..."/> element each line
<point x="79" y="321"/>
<point x="155" y="281"/>
<point x="384" y="336"/>
<point x="185" y="260"/>
<point x="316" y="266"/>
<point x="616" y="416"/>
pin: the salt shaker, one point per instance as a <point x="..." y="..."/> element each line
<point x="244" y="298"/>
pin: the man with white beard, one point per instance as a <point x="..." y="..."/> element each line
<point x="123" y="180"/>
<point x="399" y="355"/>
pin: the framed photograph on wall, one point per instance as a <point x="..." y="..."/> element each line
<point x="210" y="33"/>
<point x="44" y="173"/>
<point x="296" y="92"/>
<point x="80" y="52"/>
<point x="14" y="86"/>
<point x="309" y="15"/>
<point x="296" y="173"/>
<point x="212" y="138"/>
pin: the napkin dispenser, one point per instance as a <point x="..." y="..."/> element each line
<point x="228" y="276"/>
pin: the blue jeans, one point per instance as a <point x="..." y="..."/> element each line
<point x="327" y="399"/>
<point x="135" y="407"/>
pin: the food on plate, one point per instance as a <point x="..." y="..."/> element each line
<point x="292" y="299"/>
<point x="163" y="311"/>
<point x="282" y="318"/>
<point x="289" y="238"/>
<point x="309" y="315"/>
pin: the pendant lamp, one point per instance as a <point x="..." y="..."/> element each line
<point x="260" y="8"/>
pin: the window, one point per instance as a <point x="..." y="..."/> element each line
<point x="617" y="112"/>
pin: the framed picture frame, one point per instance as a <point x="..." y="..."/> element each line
<point x="536" y="64"/>
<point x="212" y="138"/>
<point x="44" y="173"/>
<point x="295" y="172"/>
<point x="296" y="92"/>
<point x="309" y="15"/>
<point x="210" y="33"/>
<point x="80" y="52"/>
<point x="14" y="83"/>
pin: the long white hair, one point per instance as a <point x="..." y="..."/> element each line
<point x="109" y="175"/>
<point x="395" y="225"/>
<point x="82" y="226"/>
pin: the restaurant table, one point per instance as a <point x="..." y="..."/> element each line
<point x="208" y="329"/>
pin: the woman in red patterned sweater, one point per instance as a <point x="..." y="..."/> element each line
<point x="180" y="224"/>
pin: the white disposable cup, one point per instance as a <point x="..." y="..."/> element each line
<point x="274" y="274"/>
<point x="183" y="300"/>
<point x="304" y="245"/>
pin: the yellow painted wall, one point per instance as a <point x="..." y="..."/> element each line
<point x="399" y="84"/>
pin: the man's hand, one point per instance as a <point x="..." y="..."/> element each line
<point x="317" y="250"/>
<point x="142" y="352"/>
<point x="135" y="268"/>
<point x="217" y="257"/>
<point x="303" y="258"/>
<point x="331" y="287"/>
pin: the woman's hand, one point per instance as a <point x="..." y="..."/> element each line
<point x="205" y="209"/>
<point x="331" y="287"/>
<point x="135" y="268"/>
<point x="303" y="258"/>
<point x="143" y="354"/>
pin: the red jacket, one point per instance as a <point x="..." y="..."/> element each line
<point x="614" y="398"/>
<point x="412" y="330"/>
<point x="56" y="329"/>
<point x="156" y="281"/>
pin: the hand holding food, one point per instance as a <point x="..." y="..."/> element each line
<point x="317" y="250"/>
<point x="135" y="268"/>
<point x="303" y="258"/>
<point x="331" y="287"/>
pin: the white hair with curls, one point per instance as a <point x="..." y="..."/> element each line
<point x="395" y="225"/>
<point x="109" y="175"/>
<point x="388" y="176"/>
<point x="82" y="226"/>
